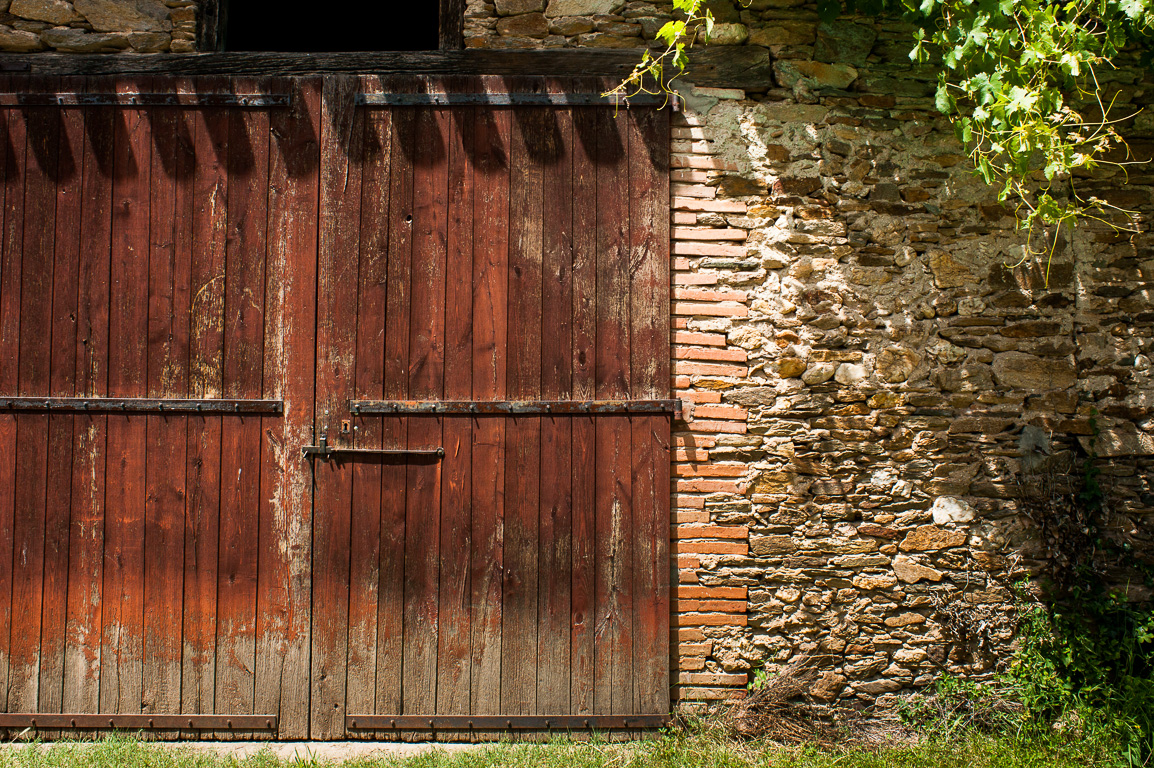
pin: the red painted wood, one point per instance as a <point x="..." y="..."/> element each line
<point x="490" y="332"/>
<point x="365" y="555"/>
<point x="61" y="442"/>
<point x="283" y="594"/>
<point x="426" y="371"/>
<point x="527" y="148"/>
<point x="10" y="252"/>
<point x="456" y="625"/>
<point x="165" y="446"/>
<point x="121" y="657"/>
<point x="555" y="542"/>
<point x="86" y="538"/>
<point x="341" y="133"/>
<point x="244" y="286"/>
<point x="584" y="358"/>
<point x="41" y="167"/>
<point x="206" y="379"/>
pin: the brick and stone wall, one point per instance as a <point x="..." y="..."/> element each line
<point x="866" y="378"/>
<point x="98" y="26"/>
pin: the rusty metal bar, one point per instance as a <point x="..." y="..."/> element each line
<point x="324" y="451"/>
<point x="138" y="405"/>
<point x="513" y="407"/>
<point x="503" y="722"/>
<point x="254" y="100"/>
<point x="140" y="722"/>
<point x="512" y="100"/>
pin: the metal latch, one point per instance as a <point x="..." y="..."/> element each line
<point x="324" y="452"/>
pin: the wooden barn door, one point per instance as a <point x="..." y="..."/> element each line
<point x="157" y="291"/>
<point x="491" y="525"/>
<point x="459" y="313"/>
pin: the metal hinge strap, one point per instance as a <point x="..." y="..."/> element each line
<point x="513" y="407"/>
<point x="252" y="100"/>
<point x="139" y="722"/>
<point x="503" y="722"/>
<point x="139" y="405"/>
<point x="512" y="100"/>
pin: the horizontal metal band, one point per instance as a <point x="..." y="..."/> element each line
<point x="140" y="722"/>
<point x="145" y="100"/>
<point x="138" y="405"/>
<point x="511" y="100"/>
<point x="502" y="722"/>
<point x="513" y="407"/>
<point x="324" y="452"/>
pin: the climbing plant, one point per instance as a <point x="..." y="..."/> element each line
<point x="1021" y="80"/>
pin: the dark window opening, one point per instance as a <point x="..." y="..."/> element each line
<point x="294" y="27"/>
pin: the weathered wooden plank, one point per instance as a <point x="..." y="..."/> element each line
<point x="467" y="62"/>
<point x="165" y="446"/>
<point x="365" y="556"/>
<point x="490" y="334"/>
<point x="451" y="27"/>
<point x="206" y="379"/>
<point x="86" y="539"/>
<point x="244" y="316"/>
<point x="648" y="139"/>
<point x="584" y="358"/>
<point x="65" y="282"/>
<point x="34" y="362"/>
<point x="11" y="238"/>
<point x="613" y="672"/>
<point x="342" y="134"/>
<point x="390" y="614"/>
<point x="284" y="589"/>
<point x="523" y="434"/>
<point x="453" y="657"/>
<point x="123" y="605"/>
<point x="426" y="380"/>
<point x="556" y="521"/>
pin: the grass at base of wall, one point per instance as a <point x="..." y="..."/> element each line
<point x="690" y="748"/>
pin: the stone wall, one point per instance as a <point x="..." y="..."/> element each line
<point x="98" y="26"/>
<point x="866" y="378"/>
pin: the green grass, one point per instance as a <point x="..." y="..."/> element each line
<point x="696" y="748"/>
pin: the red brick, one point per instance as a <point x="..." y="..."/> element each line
<point x="683" y="501"/>
<point x="684" y="248"/>
<point x="693" y="190"/>
<point x="684" y="218"/>
<point x="701" y="294"/>
<point x="710" y="619"/>
<point x="685" y="440"/>
<point x="690" y="516"/>
<point x="689" y="663"/>
<point x="710" y="353"/>
<point x="694" y="278"/>
<point x="704" y="396"/>
<point x="690" y="175"/>
<point x="681" y="381"/>
<point x="728" y="427"/>
<point x="681" y="693"/>
<point x="707" y="162"/>
<point x="734" y="593"/>
<point x="718" y="678"/>
<point x="708" y="486"/>
<point x="709" y="470"/>
<point x="713" y="547"/>
<point x="718" y="309"/>
<point x="688" y="561"/>
<point x="713" y="206"/>
<point x="707" y="233"/>
<point x="690" y="454"/>
<point x="687" y="577"/>
<point x="684" y="264"/>
<point x="719" y="606"/>
<point x="696" y="132"/>
<point x="688" y="635"/>
<point x="693" y="337"/>
<point x="719" y="412"/>
<point x="710" y="532"/>
<point x="709" y="369"/>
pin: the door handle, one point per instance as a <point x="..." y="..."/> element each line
<point x="324" y="452"/>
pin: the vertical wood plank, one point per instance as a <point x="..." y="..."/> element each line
<point x="490" y="334"/>
<point x="365" y="555"/>
<point x="613" y="672"/>
<point x="11" y="241"/>
<point x="453" y="658"/>
<point x="86" y="538"/>
<point x="426" y="382"/>
<point x="284" y="580"/>
<point x="206" y="380"/>
<point x="340" y="198"/>
<point x="648" y="140"/>
<point x="391" y="595"/>
<point x="34" y="361"/>
<point x="523" y="434"/>
<point x="584" y="359"/>
<point x="556" y="540"/>
<point x="65" y="281"/>
<point x="123" y="615"/>
<point x="167" y="359"/>
<point x="244" y="317"/>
